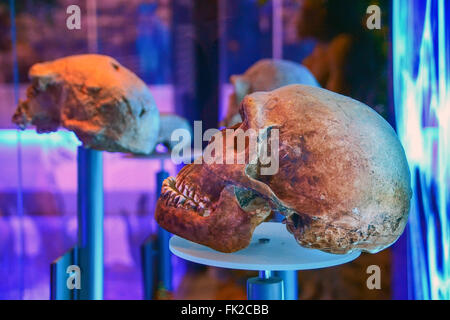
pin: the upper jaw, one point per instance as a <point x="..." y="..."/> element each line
<point x="227" y="228"/>
<point x="180" y="194"/>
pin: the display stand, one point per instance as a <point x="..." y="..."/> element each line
<point x="155" y="254"/>
<point x="88" y="254"/>
<point x="272" y="249"/>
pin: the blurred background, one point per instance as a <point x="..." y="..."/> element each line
<point x="186" y="51"/>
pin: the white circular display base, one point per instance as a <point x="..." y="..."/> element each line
<point x="281" y="252"/>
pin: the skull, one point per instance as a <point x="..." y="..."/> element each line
<point x="105" y="104"/>
<point x="265" y="75"/>
<point x="343" y="181"/>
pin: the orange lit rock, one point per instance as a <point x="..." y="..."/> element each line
<point x="264" y="75"/>
<point x="106" y="105"/>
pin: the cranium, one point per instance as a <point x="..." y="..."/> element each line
<point x="105" y="104"/>
<point x="343" y="182"/>
<point x="265" y="75"/>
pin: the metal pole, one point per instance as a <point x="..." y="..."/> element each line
<point x="19" y="201"/>
<point x="59" y="289"/>
<point x="90" y="223"/>
<point x="156" y="257"/>
<point x="266" y="274"/>
<point x="290" y="283"/>
<point x="265" y="287"/>
<point x="148" y="255"/>
<point x="164" y="255"/>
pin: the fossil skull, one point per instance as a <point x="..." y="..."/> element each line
<point x="343" y="182"/>
<point x="265" y="75"/>
<point x="106" y="105"/>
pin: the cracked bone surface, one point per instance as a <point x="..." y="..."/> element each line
<point x="265" y="75"/>
<point x="106" y="105"/>
<point x="343" y="181"/>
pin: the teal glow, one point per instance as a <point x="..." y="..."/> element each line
<point x="422" y="99"/>
<point x="10" y="137"/>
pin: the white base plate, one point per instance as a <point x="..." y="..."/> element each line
<point x="281" y="252"/>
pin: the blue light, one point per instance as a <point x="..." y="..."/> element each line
<point x="10" y="137"/>
<point x="422" y="98"/>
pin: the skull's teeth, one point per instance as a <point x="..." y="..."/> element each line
<point x="179" y="194"/>
<point x="165" y="190"/>
<point x="177" y="199"/>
